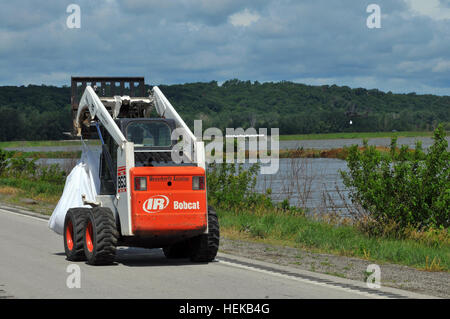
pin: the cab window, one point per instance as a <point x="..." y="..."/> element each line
<point x="149" y="134"/>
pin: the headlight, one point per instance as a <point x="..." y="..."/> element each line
<point x="140" y="183"/>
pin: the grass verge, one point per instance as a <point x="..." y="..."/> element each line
<point x="42" y="191"/>
<point x="11" y="144"/>
<point x="55" y="154"/>
<point x="278" y="228"/>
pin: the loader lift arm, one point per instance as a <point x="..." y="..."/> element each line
<point x="164" y="108"/>
<point x="99" y="111"/>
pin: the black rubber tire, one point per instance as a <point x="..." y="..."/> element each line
<point x="75" y="220"/>
<point x="204" y="248"/>
<point x="103" y="237"/>
<point x="176" y="251"/>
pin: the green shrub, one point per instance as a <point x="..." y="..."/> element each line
<point x="3" y="161"/>
<point x="401" y="189"/>
<point x="52" y="173"/>
<point x="231" y="186"/>
<point x="17" y="165"/>
<point x="20" y="166"/>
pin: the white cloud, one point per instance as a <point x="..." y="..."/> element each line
<point x="434" y="9"/>
<point x="178" y="41"/>
<point x="413" y="66"/>
<point x="244" y="18"/>
<point x="442" y="66"/>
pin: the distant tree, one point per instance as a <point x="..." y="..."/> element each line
<point x="43" y="112"/>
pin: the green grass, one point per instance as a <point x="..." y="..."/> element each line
<point x="351" y="135"/>
<point x="320" y="136"/>
<point x="43" y="155"/>
<point x="45" y="143"/>
<point x="55" y="154"/>
<point x="302" y="232"/>
<point x="39" y="190"/>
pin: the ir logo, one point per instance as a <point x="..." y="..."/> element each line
<point x="373" y="281"/>
<point x="74" y="279"/>
<point x="373" y="20"/>
<point x="74" y="19"/>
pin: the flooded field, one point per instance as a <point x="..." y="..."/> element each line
<point x="304" y="181"/>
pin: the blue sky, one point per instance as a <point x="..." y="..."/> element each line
<point x="177" y="41"/>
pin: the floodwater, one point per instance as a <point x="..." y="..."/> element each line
<point x="306" y="182"/>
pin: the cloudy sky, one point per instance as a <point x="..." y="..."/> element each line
<point x="178" y="41"/>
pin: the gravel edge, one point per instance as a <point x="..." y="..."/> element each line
<point x="392" y="275"/>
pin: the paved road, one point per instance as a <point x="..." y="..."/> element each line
<point x="33" y="265"/>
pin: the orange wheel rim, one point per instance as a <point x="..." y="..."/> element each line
<point x="69" y="235"/>
<point x="89" y="237"/>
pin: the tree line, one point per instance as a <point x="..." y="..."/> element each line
<point x="43" y="112"/>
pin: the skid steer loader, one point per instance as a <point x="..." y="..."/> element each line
<point x="146" y="199"/>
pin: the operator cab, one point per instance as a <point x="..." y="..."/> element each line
<point x="151" y="138"/>
<point x="152" y="147"/>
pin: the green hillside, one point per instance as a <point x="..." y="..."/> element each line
<point x="43" y="112"/>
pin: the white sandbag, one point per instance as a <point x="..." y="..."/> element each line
<point x="82" y="180"/>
